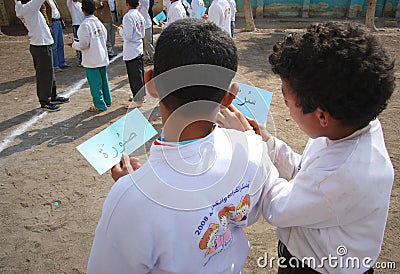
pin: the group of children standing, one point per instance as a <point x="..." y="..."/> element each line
<point x="91" y="41"/>
<point x="137" y="39"/>
<point x="220" y="12"/>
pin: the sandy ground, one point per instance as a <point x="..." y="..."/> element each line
<point x="50" y="196"/>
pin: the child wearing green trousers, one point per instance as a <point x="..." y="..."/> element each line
<point x="92" y="37"/>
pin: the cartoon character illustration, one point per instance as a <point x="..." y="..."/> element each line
<point x="209" y="240"/>
<point x="242" y="210"/>
<point x="224" y="234"/>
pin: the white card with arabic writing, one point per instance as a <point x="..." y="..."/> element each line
<point x="104" y="150"/>
<point x="253" y="102"/>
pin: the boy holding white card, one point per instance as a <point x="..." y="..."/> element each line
<point x="336" y="79"/>
<point x="183" y="211"/>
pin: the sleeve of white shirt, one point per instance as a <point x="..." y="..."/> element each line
<point x="122" y="242"/>
<point x="172" y="16"/>
<point x="34" y="4"/>
<point x="283" y="157"/>
<point x="314" y="198"/>
<point x="84" y="38"/>
<point x="268" y="174"/>
<point x="214" y="15"/>
<point x="128" y="31"/>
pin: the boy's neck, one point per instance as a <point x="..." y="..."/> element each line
<point x="195" y="130"/>
<point x="339" y="131"/>
<point x="178" y="128"/>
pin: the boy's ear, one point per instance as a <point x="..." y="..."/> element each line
<point x="323" y="116"/>
<point x="150" y="84"/>
<point x="230" y="95"/>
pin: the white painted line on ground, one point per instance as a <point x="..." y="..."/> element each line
<point x="25" y="126"/>
<point x="21" y="129"/>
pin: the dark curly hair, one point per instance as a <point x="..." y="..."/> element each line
<point x="338" y="67"/>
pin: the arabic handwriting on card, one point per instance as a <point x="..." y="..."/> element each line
<point x="117" y="150"/>
<point x="105" y="149"/>
<point x="247" y="102"/>
<point x="253" y="102"/>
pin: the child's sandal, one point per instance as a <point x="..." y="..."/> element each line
<point x="94" y="109"/>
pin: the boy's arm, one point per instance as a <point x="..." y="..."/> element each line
<point x="267" y="173"/>
<point x="44" y="13"/>
<point x="298" y="202"/>
<point x="123" y="243"/>
<point x="283" y="157"/>
<point x="84" y="38"/>
<point x="128" y="30"/>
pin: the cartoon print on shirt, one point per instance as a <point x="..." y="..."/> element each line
<point x="242" y="210"/>
<point x="218" y="236"/>
<point x="227" y="12"/>
<point x="209" y="240"/>
<point x="224" y="234"/>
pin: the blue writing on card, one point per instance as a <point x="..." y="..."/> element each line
<point x="104" y="150"/>
<point x="201" y="10"/>
<point x="159" y="18"/>
<point x="253" y="102"/>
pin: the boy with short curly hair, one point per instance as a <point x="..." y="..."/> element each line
<point x="332" y="207"/>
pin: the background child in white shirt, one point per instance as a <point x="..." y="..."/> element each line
<point x="75" y="9"/>
<point x="132" y="32"/>
<point x="219" y="13"/>
<point x="92" y="37"/>
<point x="336" y="79"/>
<point x="175" y="12"/>
<point x="148" y="49"/>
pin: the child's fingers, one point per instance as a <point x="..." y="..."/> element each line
<point x="117" y="171"/>
<point x="127" y="167"/>
<point x="220" y="119"/>
<point x="253" y="123"/>
<point x="134" y="162"/>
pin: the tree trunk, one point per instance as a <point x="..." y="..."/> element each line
<point x="248" y="15"/>
<point x="370" y="16"/>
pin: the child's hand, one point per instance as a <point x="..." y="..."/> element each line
<point x="127" y="165"/>
<point x="259" y="129"/>
<point x="205" y="16"/>
<point x="231" y="117"/>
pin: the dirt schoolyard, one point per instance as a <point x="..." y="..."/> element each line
<point x="50" y="196"/>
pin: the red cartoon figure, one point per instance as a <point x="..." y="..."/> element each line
<point x="224" y="234"/>
<point x="209" y="240"/>
<point x="242" y="209"/>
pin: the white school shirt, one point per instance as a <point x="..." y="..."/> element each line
<point x="175" y="12"/>
<point x="38" y="31"/>
<point x="111" y="4"/>
<point x="75" y="9"/>
<point x="337" y="203"/>
<point x="55" y="13"/>
<point x="166" y="5"/>
<point x="92" y="37"/>
<point x="219" y="12"/>
<point x="147" y="227"/>
<point x="194" y="6"/>
<point x="144" y="11"/>
<point x="232" y="4"/>
<point x="132" y="33"/>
